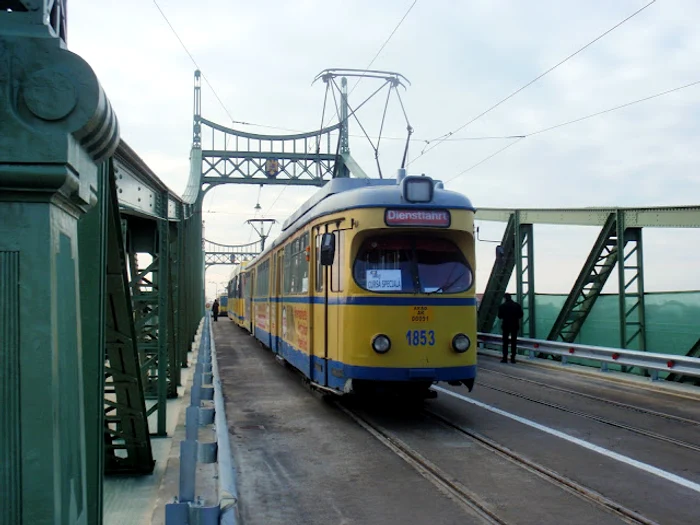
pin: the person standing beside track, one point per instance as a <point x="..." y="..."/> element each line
<point x="215" y="309"/>
<point x="510" y="313"/>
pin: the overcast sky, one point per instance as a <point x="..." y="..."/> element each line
<point x="461" y="58"/>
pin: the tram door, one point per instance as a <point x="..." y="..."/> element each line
<point x="276" y="306"/>
<point x="319" y="314"/>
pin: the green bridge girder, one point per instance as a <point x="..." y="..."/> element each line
<point x="518" y="253"/>
<point x="621" y="233"/>
<point x="216" y="253"/>
<point x="98" y="302"/>
<point x="589" y="284"/>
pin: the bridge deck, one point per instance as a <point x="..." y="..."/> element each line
<point x="301" y="459"/>
<point x="140" y="500"/>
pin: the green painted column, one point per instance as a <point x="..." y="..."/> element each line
<point x="92" y="232"/>
<point x="57" y="127"/>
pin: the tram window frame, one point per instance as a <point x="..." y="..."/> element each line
<point x="296" y="265"/>
<point x="262" y="276"/>
<point x="319" y="267"/>
<point x="411" y="266"/>
<point x="338" y="266"/>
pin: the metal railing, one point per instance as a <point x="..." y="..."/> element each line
<point x="206" y="411"/>
<point x="653" y="362"/>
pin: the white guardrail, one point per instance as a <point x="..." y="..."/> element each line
<point x="653" y="362"/>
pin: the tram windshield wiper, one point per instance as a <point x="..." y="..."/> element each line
<point x="447" y="285"/>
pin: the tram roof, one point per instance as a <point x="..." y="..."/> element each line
<point x="347" y="193"/>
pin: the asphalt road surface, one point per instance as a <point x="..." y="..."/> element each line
<point x="527" y="445"/>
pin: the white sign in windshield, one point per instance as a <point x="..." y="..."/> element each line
<point x="384" y="280"/>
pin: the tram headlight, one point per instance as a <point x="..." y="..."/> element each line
<point x="461" y="343"/>
<point x="381" y="344"/>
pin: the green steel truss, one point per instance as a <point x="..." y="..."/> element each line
<point x="518" y="253"/>
<point x="589" y="284"/>
<point x="657" y="217"/>
<point x="631" y="285"/>
<point x="525" y="275"/>
<point x="221" y="155"/>
<point x="498" y="279"/>
<point x="614" y="239"/>
<point x="128" y="445"/>
<point x="215" y="253"/>
<point x="76" y="206"/>
<point x="150" y="286"/>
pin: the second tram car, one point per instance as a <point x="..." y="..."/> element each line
<point x="369" y="287"/>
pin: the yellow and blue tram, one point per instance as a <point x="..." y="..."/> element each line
<point x="236" y="285"/>
<point x="369" y="287"/>
<point x="223" y="305"/>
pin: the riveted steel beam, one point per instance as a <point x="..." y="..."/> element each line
<point x="630" y="266"/>
<point x="139" y="187"/>
<point x="525" y="274"/>
<point x="657" y="217"/>
<point x="128" y="445"/>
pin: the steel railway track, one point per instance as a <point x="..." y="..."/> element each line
<point x="600" y="419"/>
<point x="471" y="502"/>
<point x="597" y="398"/>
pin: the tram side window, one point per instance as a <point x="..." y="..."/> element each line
<point x="338" y="267"/>
<point x="296" y="266"/>
<point x="248" y="283"/>
<point x="262" y="279"/>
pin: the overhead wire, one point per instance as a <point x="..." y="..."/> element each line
<point x="576" y="120"/>
<point x="216" y="95"/>
<point x="353" y="88"/>
<point x="384" y="44"/>
<point x="376" y="55"/>
<point x="441" y="138"/>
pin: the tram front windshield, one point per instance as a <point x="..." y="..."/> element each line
<point x="412" y="265"/>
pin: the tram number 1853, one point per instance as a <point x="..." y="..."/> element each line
<point x="420" y="337"/>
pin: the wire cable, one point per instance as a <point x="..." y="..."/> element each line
<point x="440" y="139"/>
<point x="576" y="120"/>
<point x="384" y="44"/>
<point x="216" y="95"/>
<point x="380" y="50"/>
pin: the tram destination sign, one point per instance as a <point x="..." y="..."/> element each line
<point x="413" y="217"/>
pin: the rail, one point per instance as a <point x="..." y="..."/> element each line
<point x="653" y="362"/>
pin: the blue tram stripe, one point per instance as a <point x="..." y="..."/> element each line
<point x="375" y="301"/>
<point x="338" y="372"/>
